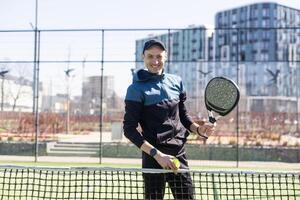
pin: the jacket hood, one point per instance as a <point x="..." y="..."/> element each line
<point x="145" y="75"/>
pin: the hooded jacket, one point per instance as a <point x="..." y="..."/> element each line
<point x="156" y="102"/>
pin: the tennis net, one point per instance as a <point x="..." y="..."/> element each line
<point x="17" y="182"/>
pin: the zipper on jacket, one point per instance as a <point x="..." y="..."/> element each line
<point x="163" y="88"/>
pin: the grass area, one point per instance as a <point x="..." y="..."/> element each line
<point x="278" y="168"/>
<point x="68" y="164"/>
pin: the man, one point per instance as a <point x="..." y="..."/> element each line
<point x="155" y="100"/>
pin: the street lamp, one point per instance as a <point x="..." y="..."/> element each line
<point x="2" y="74"/>
<point x="67" y="72"/>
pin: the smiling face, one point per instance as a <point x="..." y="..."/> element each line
<point x="154" y="59"/>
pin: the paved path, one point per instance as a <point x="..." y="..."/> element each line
<point x="276" y="166"/>
<point x="94" y="137"/>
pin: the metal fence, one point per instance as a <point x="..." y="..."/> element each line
<point x="68" y="86"/>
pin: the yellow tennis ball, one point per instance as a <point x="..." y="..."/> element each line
<point x="176" y="162"/>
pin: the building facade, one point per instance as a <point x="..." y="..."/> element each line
<point x="257" y="45"/>
<point x="264" y="39"/>
<point x="91" y="94"/>
<point x="183" y="45"/>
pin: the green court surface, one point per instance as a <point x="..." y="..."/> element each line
<point x="196" y="165"/>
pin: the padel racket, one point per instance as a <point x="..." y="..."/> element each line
<point x="221" y="97"/>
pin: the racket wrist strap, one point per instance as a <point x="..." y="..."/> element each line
<point x="200" y="134"/>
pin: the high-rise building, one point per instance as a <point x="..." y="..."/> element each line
<point x="184" y="45"/>
<point x="257" y="45"/>
<point x="264" y="39"/>
<point x="257" y="32"/>
<point x="91" y="93"/>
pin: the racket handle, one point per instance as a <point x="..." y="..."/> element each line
<point x="212" y="119"/>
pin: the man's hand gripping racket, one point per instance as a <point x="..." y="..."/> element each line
<point x="221" y="97"/>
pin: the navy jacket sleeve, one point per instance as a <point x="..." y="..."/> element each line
<point x="185" y="118"/>
<point x="133" y="110"/>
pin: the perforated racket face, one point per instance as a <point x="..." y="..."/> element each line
<point x="221" y="95"/>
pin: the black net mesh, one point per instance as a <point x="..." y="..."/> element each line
<point x="113" y="183"/>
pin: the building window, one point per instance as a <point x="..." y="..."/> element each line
<point x="256" y="57"/>
<point x="234" y="38"/>
<point x="265" y="23"/>
<point x="219" y="19"/>
<point x="265" y="12"/>
<point x="297" y="19"/>
<point x="255" y="13"/>
<point x="266" y="34"/>
<point x="265" y="56"/>
<point x="233" y="18"/>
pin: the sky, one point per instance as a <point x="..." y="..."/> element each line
<point x="98" y="14"/>
<point x="17" y="14"/>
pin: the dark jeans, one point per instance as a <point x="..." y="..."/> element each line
<point x="180" y="184"/>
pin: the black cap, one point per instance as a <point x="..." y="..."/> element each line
<point x="153" y="42"/>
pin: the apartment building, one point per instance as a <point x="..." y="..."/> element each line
<point x="264" y="39"/>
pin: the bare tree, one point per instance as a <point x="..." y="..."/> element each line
<point x="16" y="95"/>
<point x="19" y="86"/>
<point x="3" y="72"/>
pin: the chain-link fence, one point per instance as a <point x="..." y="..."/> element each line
<point x="62" y="91"/>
